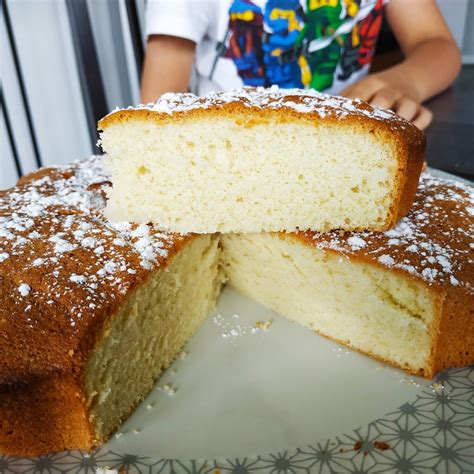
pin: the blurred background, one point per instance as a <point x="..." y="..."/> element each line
<point x="66" y="63"/>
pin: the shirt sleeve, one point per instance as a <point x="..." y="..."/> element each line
<point x="187" y="19"/>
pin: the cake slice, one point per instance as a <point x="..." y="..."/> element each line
<point x="91" y="313"/>
<point x="404" y="296"/>
<point x="257" y="160"/>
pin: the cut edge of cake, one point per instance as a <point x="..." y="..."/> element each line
<point x="239" y="172"/>
<point x="152" y="327"/>
<point x="360" y="305"/>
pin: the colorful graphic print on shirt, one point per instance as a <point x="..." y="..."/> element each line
<point x="291" y="44"/>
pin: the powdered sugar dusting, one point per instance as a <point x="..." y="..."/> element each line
<point x="356" y="242"/>
<point x="24" y="289"/>
<point x="433" y="242"/>
<point x="386" y="260"/>
<point x="78" y="278"/>
<point x="301" y="100"/>
<point x="83" y="262"/>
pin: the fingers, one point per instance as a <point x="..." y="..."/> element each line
<point x="424" y="118"/>
<point x="403" y="106"/>
<point x="386" y="98"/>
<point x="379" y="94"/>
<point x="364" y="89"/>
<point x="407" y="108"/>
<point x="414" y="112"/>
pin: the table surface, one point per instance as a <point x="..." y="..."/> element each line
<point x="451" y="135"/>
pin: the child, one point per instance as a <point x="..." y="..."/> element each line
<point x="327" y="45"/>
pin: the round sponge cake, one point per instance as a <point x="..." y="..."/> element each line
<point x="92" y="312"/>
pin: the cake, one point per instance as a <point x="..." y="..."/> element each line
<point x="256" y="160"/>
<point x="404" y="296"/>
<point x="92" y="311"/>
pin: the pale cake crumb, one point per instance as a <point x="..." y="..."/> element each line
<point x="437" y="387"/>
<point x="209" y="179"/>
<point x="105" y="470"/>
<point x="265" y="325"/>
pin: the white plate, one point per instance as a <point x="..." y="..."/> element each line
<point x="282" y="400"/>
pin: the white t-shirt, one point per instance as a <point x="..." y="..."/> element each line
<point x="322" y="44"/>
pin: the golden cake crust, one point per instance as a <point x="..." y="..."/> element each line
<point x="431" y="245"/>
<point x="252" y="106"/>
<point x="64" y="272"/>
<point x="44" y="415"/>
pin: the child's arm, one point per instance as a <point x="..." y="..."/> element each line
<point x="167" y="67"/>
<point x="432" y="62"/>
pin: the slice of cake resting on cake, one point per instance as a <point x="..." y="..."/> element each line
<point x="405" y="296"/>
<point x="90" y="313"/>
<point x="261" y="160"/>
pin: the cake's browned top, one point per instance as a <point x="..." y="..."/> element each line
<point x="303" y="102"/>
<point x="64" y="269"/>
<point x="434" y="242"/>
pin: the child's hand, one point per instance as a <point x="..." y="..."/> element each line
<point x="432" y="62"/>
<point x="386" y="93"/>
